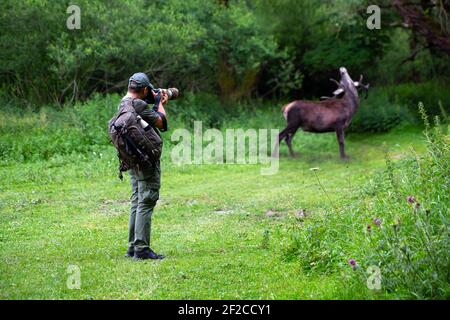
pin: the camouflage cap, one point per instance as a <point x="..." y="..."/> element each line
<point x="139" y="80"/>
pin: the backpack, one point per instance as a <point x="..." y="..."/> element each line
<point x="135" y="146"/>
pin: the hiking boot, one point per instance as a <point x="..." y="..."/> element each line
<point x="147" y="253"/>
<point x="130" y="253"/>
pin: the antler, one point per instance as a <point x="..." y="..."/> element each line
<point x="336" y="92"/>
<point x="363" y="86"/>
<point x="337" y="82"/>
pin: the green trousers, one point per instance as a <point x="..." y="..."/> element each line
<point x="145" y="184"/>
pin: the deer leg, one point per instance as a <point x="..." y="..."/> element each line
<point x="289" y="138"/>
<point x="340" y="136"/>
<point x="282" y="135"/>
<point x="286" y="134"/>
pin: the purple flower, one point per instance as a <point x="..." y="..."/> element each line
<point x="352" y="263"/>
<point x="377" y="222"/>
<point x="412" y="200"/>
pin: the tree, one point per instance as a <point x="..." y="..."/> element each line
<point x="427" y="19"/>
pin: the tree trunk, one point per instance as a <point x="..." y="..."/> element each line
<point x="423" y="25"/>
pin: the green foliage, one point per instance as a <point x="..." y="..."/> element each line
<point x="318" y="243"/>
<point x="412" y="243"/>
<point x="176" y="42"/>
<point x="379" y="113"/>
<point x="394" y="66"/>
<point x="235" y="49"/>
<point x="432" y="94"/>
<point x="391" y="105"/>
<point x="28" y="135"/>
<point x="199" y="107"/>
<point x="346" y="42"/>
<point x="320" y="37"/>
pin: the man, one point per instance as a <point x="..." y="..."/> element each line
<point x="145" y="180"/>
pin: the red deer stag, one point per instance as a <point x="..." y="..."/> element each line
<point x="330" y="114"/>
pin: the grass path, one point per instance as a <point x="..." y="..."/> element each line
<point x="211" y="222"/>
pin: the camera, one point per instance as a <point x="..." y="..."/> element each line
<point x="172" y="93"/>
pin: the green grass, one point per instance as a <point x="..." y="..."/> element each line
<point x="211" y="223"/>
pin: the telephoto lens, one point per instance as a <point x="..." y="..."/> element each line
<point x="172" y="93"/>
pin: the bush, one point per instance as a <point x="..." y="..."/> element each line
<point x="389" y="106"/>
<point x="411" y="244"/>
<point x="29" y="135"/>
<point x="430" y="93"/>
<point x="379" y="114"/>
<point x="198" y="107"/>
<point x="323" y="242"/>
<point x="180" y="43"/>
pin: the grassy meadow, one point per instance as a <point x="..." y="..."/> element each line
<point x="226" y="229"/>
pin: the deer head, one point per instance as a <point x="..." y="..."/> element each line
<point x="348" y="85"/>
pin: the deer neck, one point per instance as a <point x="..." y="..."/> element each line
<point x="352" y="101"/>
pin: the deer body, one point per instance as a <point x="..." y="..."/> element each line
<point x="332" y="114"/>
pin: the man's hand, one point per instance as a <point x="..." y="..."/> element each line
<point x="164" y="98"/>
<point x="161" y="98"/>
